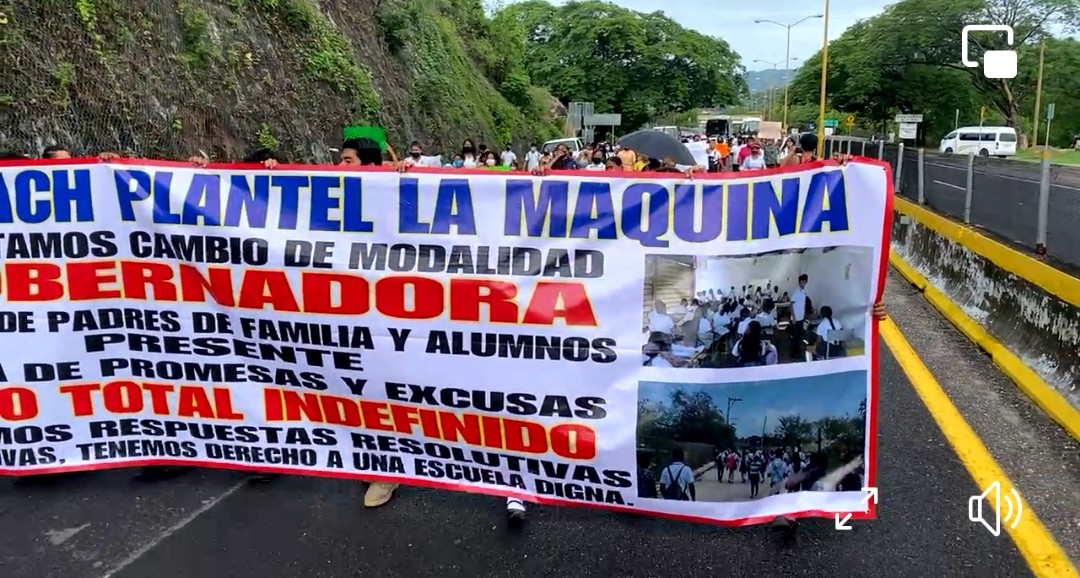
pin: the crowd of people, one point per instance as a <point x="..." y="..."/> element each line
<point x="739" y="154"/>
<point x="741" y="328"/>
<point x="776" y="471"/>
<point x="735" y="153"/>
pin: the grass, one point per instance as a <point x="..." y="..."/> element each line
<point x="1057" y="156"/>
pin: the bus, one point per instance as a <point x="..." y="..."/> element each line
<point x="718" y="127"/>
<point x="750" y="125"/>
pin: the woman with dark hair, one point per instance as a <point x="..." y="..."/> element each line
<point x="488" y="159"/>
<point x="469" y="154"/>
<point x="614" y="164"/>
<point x="752" y="350"/>
<point x="826" y="348"/>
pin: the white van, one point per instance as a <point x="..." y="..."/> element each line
<point x="574" y="144"/>
<point x="999" y="141"/>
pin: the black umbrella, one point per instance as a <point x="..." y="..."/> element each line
<point x="658" y="145"/>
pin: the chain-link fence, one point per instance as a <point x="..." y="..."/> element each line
<point x="1001" y="196"/>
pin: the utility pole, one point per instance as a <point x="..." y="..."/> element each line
<point x="824" y="83"/>
<point x="730" y="402"/>
<point x="1038" y="95"/>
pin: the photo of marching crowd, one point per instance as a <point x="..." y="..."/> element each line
<point x="749" y="440"/>
<point x="788" y="306"/>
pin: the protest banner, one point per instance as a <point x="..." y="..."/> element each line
<point x="573" y="339"/>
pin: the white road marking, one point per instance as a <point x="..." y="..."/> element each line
<point x="58" y="537"/>
<point x="951" y="186"/>
<point x="206" y="507"/>
<point x="1007" y="177"/>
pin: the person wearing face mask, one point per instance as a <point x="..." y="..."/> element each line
<point x="755" y="160"/>
<point x="488" y="159"/>
<point x="509" y="159"/>
<point x="596" y="161"/>
<point x="469" y="156"/>
<point x="417" y="158"/>
<point x="532" y="159"/>
<point x="562" y="160"/>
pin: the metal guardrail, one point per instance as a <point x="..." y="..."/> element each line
<point x="1036" y="205"/>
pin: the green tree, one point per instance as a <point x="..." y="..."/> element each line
<point x="905" y="60"/>
<point x="793" y="430"/>
<point x="640" y="65"/>
<point x="1061" y="86"/>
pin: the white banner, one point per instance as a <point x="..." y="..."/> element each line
<point x="694" y="349"/>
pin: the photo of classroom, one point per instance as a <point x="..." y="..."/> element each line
<point x="792" y="306"/>
<point x="734" y="442"/>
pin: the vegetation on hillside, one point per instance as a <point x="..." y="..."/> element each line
<point x="907" y="60"/>
<point x="168" y="78"/>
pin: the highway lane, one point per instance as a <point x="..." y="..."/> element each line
<point x="1005" y="198"/>
<point x="211" y="524"/>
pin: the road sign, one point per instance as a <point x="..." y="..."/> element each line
<point x="831" y="123"/>
<point x="900" y="118"/>
<point x="1050" y="112"/>
<point x="850" y="120"/>
<point x="603" y="120"/>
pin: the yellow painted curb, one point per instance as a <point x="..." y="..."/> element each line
<point x="1053" y="281"/>
<point x="1035" y="543"/>
<point x="1043" y="394"/>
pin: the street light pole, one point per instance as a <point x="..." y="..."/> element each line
<point x="787" y="53"/>
<point x="824" y="79"/>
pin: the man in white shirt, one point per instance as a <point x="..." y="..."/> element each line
<point x="661" y="326"/>
<point x="532" y="159"/>
<point x="744" y="320"/>
<point x="508" y="157"/>
<point x="417" y="158"/>
<point x="798" y="314"/>
<point x="677" y="480"/>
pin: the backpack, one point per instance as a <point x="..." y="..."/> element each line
<point x="772" y="155"/>
<point x="674" y="490"/>
<point x="777" y="470"/>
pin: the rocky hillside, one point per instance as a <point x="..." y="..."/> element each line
<point x="166" y="78"/>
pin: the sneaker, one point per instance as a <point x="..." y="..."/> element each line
<point x="378" y="493"/>
<point x="515" y="513"/>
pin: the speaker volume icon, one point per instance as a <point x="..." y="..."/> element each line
<point x="1014" y="508"/>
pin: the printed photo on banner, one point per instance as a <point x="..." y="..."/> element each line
<point x="790" y="306"/>
<point x="743" y="441"/>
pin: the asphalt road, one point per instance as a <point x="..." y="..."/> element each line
<point x="210" y="524"/>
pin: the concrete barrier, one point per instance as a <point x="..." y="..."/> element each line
<point x="1024" y="313"/>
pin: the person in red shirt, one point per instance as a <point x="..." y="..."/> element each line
<point x="745" y="150"/>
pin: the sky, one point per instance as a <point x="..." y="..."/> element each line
<point x="812" y="398"/>
<point x="734" y="22"/>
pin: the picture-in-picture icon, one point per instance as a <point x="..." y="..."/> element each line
<point x="996" y="63"/>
